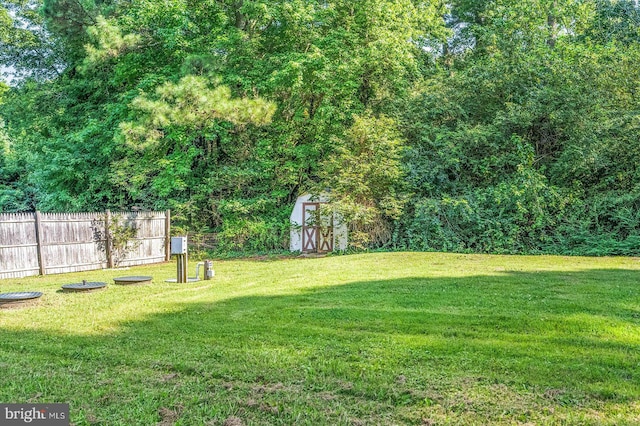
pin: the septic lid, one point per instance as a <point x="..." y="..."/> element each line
<point x="84" y="286"/>
<point x="21" y="295"/>
<point x="133" y="279"/>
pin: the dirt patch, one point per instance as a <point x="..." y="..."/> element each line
<point x="251" y="403"/>
<point x="168" y="416"/>
<point x="327" y="396"/>
<point x="233" y="421"/>
<point x="168" y="377"/>
<point x="553" y="394"/>
<point x="268" y="388"/>
<point x="346" y="386"/>
<point x="34" y="398"/>
<point x="269" y="409"/>
<point x="92" y="419"/>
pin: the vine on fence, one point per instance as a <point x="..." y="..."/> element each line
<point x="117" y="238"/>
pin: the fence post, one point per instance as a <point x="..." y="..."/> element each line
<point x="167" y="235"/>
<point x="107" y="243"/>
<point x="41" y="265"/>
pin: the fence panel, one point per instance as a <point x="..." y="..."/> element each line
<point x="18" y="245"/>
<point x="149" y="245"/>
<point x="72" y="242"/>
<point x="69" y="243"/>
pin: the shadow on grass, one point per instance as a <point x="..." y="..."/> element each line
<point x="511" y="347"/>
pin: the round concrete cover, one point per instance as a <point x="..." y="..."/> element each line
<point x="84" y="286"/>
<point x="22" y="295"/>
<point x="133" y="280"/>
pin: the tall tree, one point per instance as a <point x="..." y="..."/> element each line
<point x="321" y="62"/>
<point x="502" y="137"/>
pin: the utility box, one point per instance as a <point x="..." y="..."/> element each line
<point x="178" y="245"/>
<point x="208" y="270"/>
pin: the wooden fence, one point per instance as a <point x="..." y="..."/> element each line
<point x="52" y="243"/>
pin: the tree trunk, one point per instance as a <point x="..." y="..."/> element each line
<point x="552" y="26"/>
<point x="240" y="19"/>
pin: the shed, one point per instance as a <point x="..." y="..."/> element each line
<point x="312" y="232"/>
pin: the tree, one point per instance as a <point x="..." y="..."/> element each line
<point x="364" y="180"/>
<point x="27" y="49"/>
<point x="507" y="137"/>
<point x="472" y="125"/>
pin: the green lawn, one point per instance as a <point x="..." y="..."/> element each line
<point x="402" y="338"/>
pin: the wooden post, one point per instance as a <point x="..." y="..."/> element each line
<point x="167" y="235"/>
<point x="41" y="265"/>
<point x="107" y="243"/>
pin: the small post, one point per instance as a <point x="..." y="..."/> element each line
<point x="39" y="242"/>
<point x="167" y="235"/>
<point x="186" y="268"/>
<point x="182" y="268"/>
<point x="178" y="268"/>
<point x="107" y="243"/>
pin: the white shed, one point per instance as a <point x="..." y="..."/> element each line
<point x="313" y="234"/>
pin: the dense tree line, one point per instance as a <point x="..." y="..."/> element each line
<point x="468" y="125"/>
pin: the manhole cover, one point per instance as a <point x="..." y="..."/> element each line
<point x="84" y="286"/>
<point x="20" y="298"/>
<point x="133" y="280"/>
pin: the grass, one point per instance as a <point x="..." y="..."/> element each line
<point x="385" y="338"/>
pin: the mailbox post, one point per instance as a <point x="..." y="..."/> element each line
<point x="179" y="248"/>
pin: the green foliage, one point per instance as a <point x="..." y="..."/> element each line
<point x="513" y="216"/>
<point x="617" y="21"/>
<point x="493" y="126"/>
<point x="109" y="40"/>
<point x="70" y="21"/>
<point x="191" y="107"/>
<point x="12" y="194"/>
<point x="118" y="238"/>
<point x="367" y="194"/>
<point x="516" y="144"/>
<point x="122" y="235"/>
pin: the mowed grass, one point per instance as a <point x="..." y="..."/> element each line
<point x="384" y="338"/>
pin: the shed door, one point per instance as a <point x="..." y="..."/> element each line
<point x="317" y="230"/>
